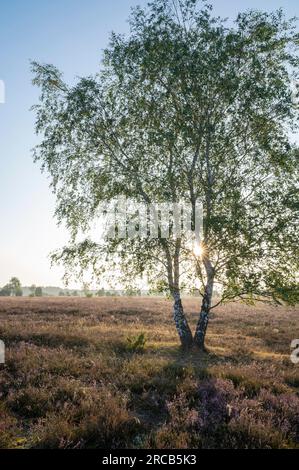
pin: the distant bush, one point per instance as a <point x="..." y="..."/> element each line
<point x="38" y="292"/>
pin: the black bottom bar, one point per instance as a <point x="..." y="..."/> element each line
<point x="89" y="459"/>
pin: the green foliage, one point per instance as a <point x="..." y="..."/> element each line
<point x="136" y="344"/>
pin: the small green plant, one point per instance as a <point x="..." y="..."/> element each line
<point x="136" y="343"/>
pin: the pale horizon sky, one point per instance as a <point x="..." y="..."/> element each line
<point x="70" y="34"/>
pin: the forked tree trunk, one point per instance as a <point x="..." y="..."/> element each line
<point x="202" y="325"/>
<point x="181" y="323"/>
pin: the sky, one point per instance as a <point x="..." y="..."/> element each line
<point x="70" y="34"/>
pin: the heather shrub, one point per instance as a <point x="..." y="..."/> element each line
<point x="252" y="386"/>
<point x="168" y="438"/>
<point x="170" y="378"/>
<point x="249" y="431"/>
<point x="215" y="399"/>
<point x="222" y="416"/>
<point x="138" y="372"/>
<point x="8" y="430"/>
<point x="267" y="421"/>
<point x="253" y="377"/>
<point x="284" y="411"/>
<point x="241" y="354"/>
<point x="30" y="402"/>
<point x="292" y="380"/>
<point x="98" y="419"/>
<point x="177" y="433"/>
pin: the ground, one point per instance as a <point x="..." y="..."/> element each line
<point x="72" y="379"/>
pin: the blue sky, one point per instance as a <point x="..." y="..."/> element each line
<point x="70" y="34"/>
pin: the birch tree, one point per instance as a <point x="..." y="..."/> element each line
<point x="186" y="107"/>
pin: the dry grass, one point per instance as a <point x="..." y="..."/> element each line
<point x="70" y="380"/>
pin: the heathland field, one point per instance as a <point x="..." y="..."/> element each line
<point x="80" y="374"/>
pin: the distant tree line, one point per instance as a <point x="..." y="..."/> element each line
<point x="14" y="289"/>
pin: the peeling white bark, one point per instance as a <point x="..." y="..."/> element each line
<point x="202" y="325"/>
<point x="181" y="322"/>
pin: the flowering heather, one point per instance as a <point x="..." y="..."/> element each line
<point x="70" y="380"/>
